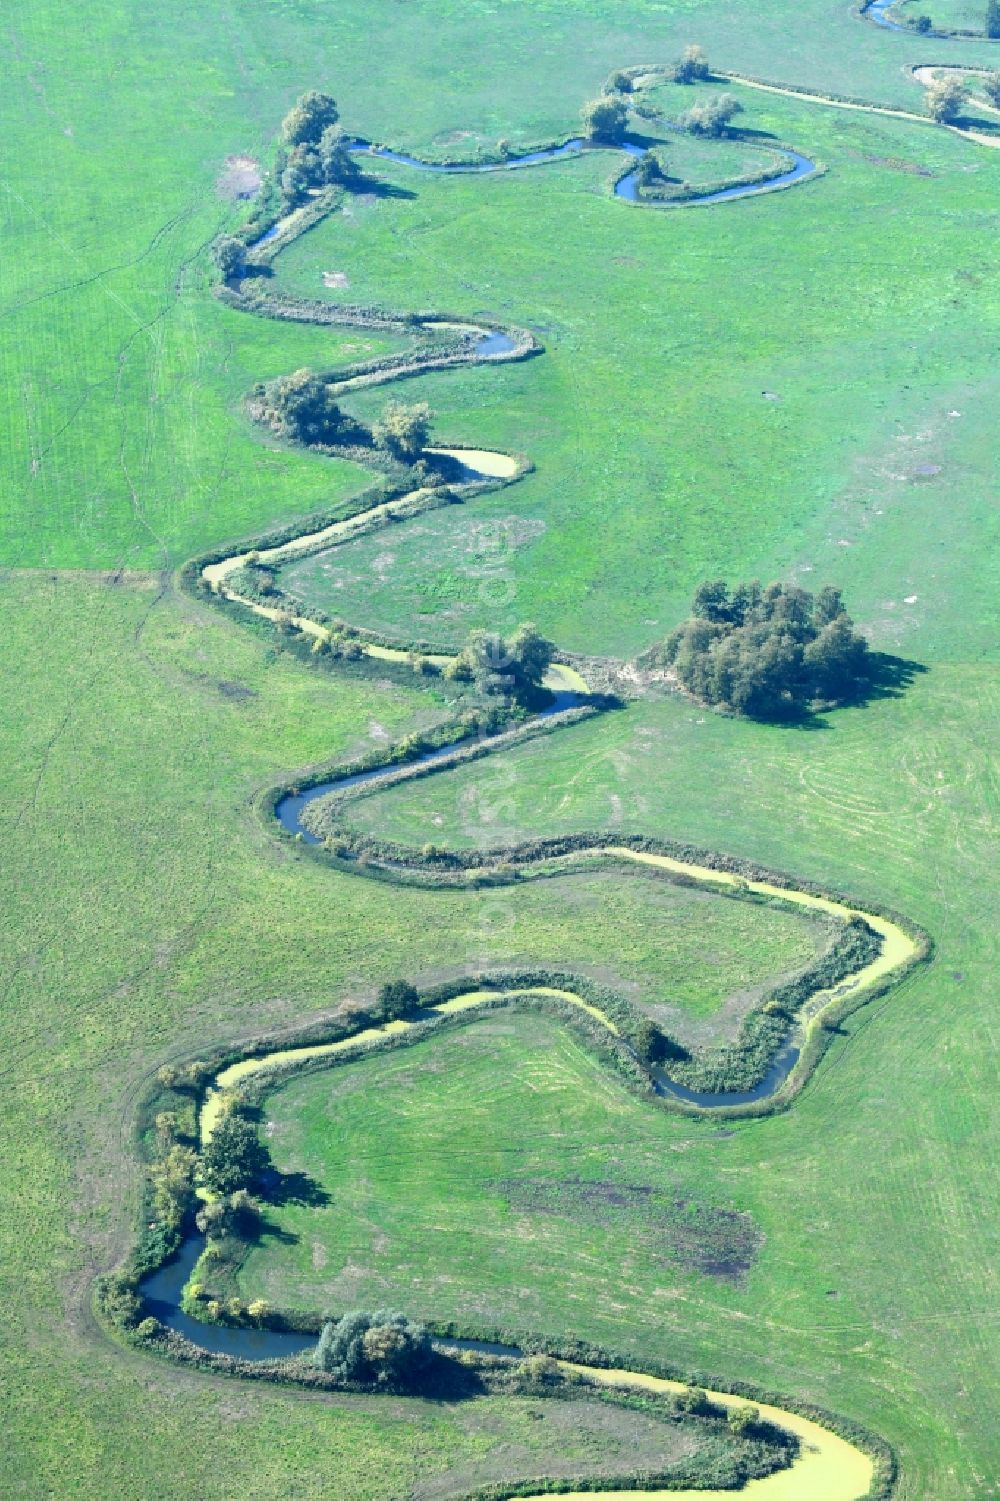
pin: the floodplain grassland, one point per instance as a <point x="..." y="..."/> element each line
<point x="148" y="915"/>
<point x="780" y="408"/>
<point x="500" y="1176"/>
<point x="206" y="929"/>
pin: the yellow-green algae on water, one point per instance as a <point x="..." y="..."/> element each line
<point x="228" y="1078"/>
<point x="828" y="1467"/>
<point x="898" y="948"/>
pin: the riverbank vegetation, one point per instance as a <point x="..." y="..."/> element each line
<point x="767" y="652"/>
<point x="146" y="914"/>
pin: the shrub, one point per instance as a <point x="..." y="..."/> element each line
<point x="336" y="162"/>
<point x="172" y="1178"/>
<point x="403" y="430"/>
<point x="306" y="121"/>
<point x="230" y="255"/>
<point x="374" y="1349"/>
<point x="184" y="1076"/>
<point x="396" y="999"/>
<point x="618" y="83"/>
<point x="234" y="1156"/>
<point x="237" y="1211"/>
<point x="605" y="119"/>
<point x="763" y="652"/>
<point x="301" y="406"/>
<point x="302" y="171"/>
<point x="945" y="97"/>
<point x="119" y="1297"/>
<point x="711" y="118"/>
<point x="692" y="66"/>
<point x="922" y="24"/>
<point x="694" y="1400"/>
<point x="742" y="1420"/>
<point x="512" y="667"/>
<point x="650" y="169"/>
<point x="991" y="86"/>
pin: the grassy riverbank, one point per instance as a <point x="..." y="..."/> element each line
<point x="147" y="913"/>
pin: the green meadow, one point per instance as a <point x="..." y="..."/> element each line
<point x="790" y="408"/>
<point x="800" y="385"/>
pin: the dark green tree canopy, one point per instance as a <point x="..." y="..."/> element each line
<point x="767" y="651"/>
<point x="692" y="66"/>
<point x="713" y="117"/>
<point x="374" y="1349"/>
<point x="234" y="1156"/>
<point x="301" y="406"/>
<point x="605" y="120"/>
<point x="511" y="666"/>
<point x="395" y="999"/>
<point x="308" y="117"/>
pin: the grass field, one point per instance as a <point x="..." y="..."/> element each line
<point x="824" y="447"/>
<point x="946" y="15"/>
<point x="147" y="913"/>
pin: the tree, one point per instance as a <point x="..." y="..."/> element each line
<point x="511" y="667"/>
<point x="605" y="119"/>
<point x="172" y="1179"/>
<point x="945" y="97"/>
<point x="692" y="66"/>
<point x="230" y="257"/>
<point x="335" y="160"/>
<point x="741" y="1421"/>
<point x="234" y="1156"/>
<point x="618" y="83"/>
<point x="374" y="1349"/>
<point x="301" y="406"/>
<point x="309" y="117"/>
<point x="184" y="1076"/>
<point x="713" y="117"/>
<point x="836" y="659"/>
<point x="236" y="1211"/>
<point x="992" y="27"/>
<point x="403" y="430"/>
<point x="650" y="169"/>
<point x="396" y="999"/>
<point x="991" y="86"/>
<point x="923" y="24"/>
<point x="303" y="171"/>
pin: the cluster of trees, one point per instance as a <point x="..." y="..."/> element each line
<point x="301" y="407"/>
<point x="320" y="152"/>
<point x="991" y="22"/>
<point x="945" y="97"/>
<point x="374" y="1349"/>
<point x="508" y="666"/>
<point x="767" y="651"/>
<point x="713" y="117"/>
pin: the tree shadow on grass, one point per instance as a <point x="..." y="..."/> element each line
<point x="293" y="1188"/>
<point x="886" y="677"/>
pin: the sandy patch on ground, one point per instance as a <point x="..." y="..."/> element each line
<point x="240" y="177"/>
